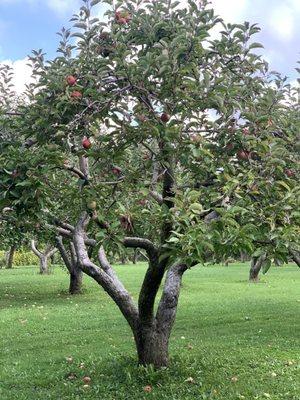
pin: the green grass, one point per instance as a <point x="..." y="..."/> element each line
<point x="234" y="339"/>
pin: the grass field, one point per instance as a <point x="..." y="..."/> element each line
<point x="232" y="340"/>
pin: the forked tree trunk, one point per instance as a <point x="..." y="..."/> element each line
<point x="256" y="265"/>
<point x="71" y="263"/>
<point x="43" y="257"/>
<point x="10" y="256"/>
<point x="151" y="330"/>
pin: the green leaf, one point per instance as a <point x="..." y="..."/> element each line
<point x="94" y="2"/>
<point x="255" y="45"/>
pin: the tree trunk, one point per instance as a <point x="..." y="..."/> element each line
<point x="75" y="281"/>
<point x="152" y="347"/>
<point x="296" y="257"/>
<point x="152" y="339"/>
<point x="10" y="256"/>
<point x="44" y="265"/>
<point x="71" y="262"/>
<point x="256" y="265"/>
<point x="135" y="256"/>
<point x="43" y="257"/>
<point x="151" y="332"/>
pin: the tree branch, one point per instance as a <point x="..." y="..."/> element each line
<point x="63" y="252"/>
<point x="156" y="196"/>
<point x="135" y="242"/>
<point x="110" y="283"/>
<point x="167" y="307"/>
<point x="35" y="250"/>
<point x="295" y="256"/>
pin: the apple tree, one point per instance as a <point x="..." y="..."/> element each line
<point x="173" y="142"/>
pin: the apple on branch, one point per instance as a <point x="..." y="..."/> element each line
<point x="243" y="155"/>
<point x="165" y="117"/>
<point x="86" y="143"/>
<point x="71" y="80"/>
<point x="76" y="95"/>
<point x="116" y="170"/>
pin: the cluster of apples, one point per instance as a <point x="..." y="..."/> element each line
<point x="71" y="81"/>
<point x="122" y="17"/>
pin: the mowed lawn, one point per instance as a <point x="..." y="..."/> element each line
<point x="231" y="340"/>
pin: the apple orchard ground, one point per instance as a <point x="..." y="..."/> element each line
<point x="232" y="340"/>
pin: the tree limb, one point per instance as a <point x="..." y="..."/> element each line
<point x="35" y="250"/>
<point x="135" y="242"/>
<point x="109" y="283"/>
<point x="63" y="252"/>
<point x="167" y="307"/>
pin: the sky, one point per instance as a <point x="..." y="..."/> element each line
<point x="32" y="24"/>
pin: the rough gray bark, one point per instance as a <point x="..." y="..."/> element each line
<point x="256" y="265"/>
<point x="10" y="256"/>
<point x="104" y="275"/>
<point x="70" y="261"/>
<point x="43" y="257"/>
<point x="153" y="339"/>
<point x="151" y="333"/>
<point x="295" y="257"/>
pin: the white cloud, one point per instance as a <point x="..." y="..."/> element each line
<point x="63" y="7"/>
<point x="60" y="7"/>
<point x="231" y="11"/>
<point x="282" y="22"/>
<point x="22" y="73"/>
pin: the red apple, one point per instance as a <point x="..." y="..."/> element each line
<point x="143" y="202"/>
<point x="118" y="15"/>
<point x="122" y="21"/>
<point x="76" y="95"/>
<point x="165" y="117"/>
<point x="246" y="131"/>
<point x="71" y="80"/>
<point x="243" y="155"/>
<point x="116" y="170"/>
<point x="86" y="143"/>
<point x="289" y="173"/>
<point x="122" y="17"/>
<point x="229" y="146"/>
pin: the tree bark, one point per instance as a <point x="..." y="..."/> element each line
<point x="43" y="257"/>
<point x="75" y="281"/>
<point x="152" y="340"/>
<point x="10" y="256"/>
<point x="152" y="347"/>
<point x="256" y="265"/>
<point x="296" y="257"/>
<point x="71" y="263"/>
<point x="135" y="256"/>
<point x="44" y="265"/>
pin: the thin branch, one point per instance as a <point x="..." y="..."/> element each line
<point x="156" y="196"/>
<point x="35" y="250"/>
<point x="135" y="242"/>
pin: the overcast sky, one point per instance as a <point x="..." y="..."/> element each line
<point x="32" y="24"/>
